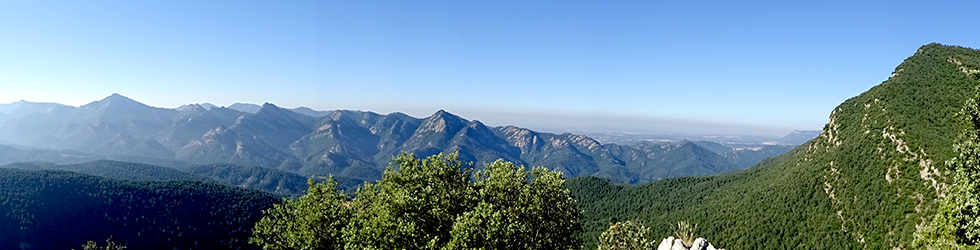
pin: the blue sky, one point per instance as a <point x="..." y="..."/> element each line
<point x="683" y="66"/>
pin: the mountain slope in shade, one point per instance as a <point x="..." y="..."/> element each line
<point x="870" y="180"/>
<point x="274" y="181"/>
<point x="115" y="170"/>
<point x="141" y="214"/>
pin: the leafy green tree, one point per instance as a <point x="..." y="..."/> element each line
<point x="515" y="213"/>
<point x="431" y="203"/>
<point x="413" y="206"/>
<point x="625" y="235"/>
<point x="957" y="223"/>
<point x="314" y="221"/>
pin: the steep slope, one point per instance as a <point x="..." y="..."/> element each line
<point x="224" y="145"/>
<point x="571" y="154"/>
<point x="870" y="180"/>
<point x="342" y="144"/>
<point x="192" y="122"/>
<point x="63" y="210"/>
<point x="276" y="126"/>
<point x="116" y="125"/>
<point x="434" y="134"/>
<point x="393" y="130"/>
<point x="478" y="144"/>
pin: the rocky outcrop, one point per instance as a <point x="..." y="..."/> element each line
<point x="671" y="243"/>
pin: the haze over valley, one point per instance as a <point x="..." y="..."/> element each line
<point x="356" y="145"/>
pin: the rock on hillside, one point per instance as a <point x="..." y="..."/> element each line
<point x="671" y="243"/>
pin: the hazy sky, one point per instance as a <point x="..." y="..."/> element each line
<point x="684" y="66"/>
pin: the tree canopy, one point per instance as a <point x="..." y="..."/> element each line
<point x="430" y="203"/>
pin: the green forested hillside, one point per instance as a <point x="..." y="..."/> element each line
<point x="274" y="181"/>
<point x="870" y="180"/>
<point x="270" y="180"/>
<point x="63" y="210"/>
<point x="114" y="169"/>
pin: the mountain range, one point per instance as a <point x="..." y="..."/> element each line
<point x="355" y="145"/>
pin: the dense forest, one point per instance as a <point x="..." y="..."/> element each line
<point x="274" y="181"/>
<point x="63" y="210"/>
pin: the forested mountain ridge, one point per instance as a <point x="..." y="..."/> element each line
<point x="870" y="180"/>
<point x="277" y="182"/>
<point x="355" y="145"/>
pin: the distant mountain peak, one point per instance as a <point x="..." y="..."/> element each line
<point x="117" y="96"/>
<point x="115" y="100"/>
<point x="441" y="120"/>
<point x="442" y="114"/>
<point x="798" y="137"/>
<point x="269" y="108"/>
<point x="245" y="107"/>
